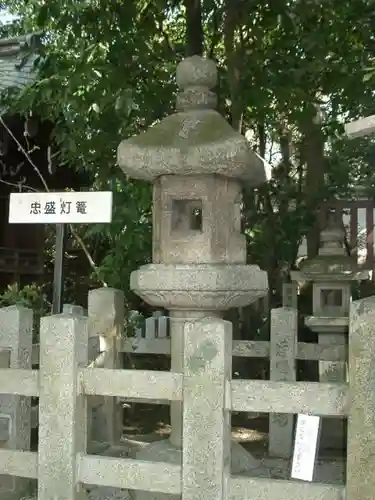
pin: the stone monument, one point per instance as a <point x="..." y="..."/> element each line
<point x="331" y="274"/>
<point x="196" y="162"/>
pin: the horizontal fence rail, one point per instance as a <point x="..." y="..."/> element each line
<point x="165" y="478"/>
<point x="246" y="395"/>
<point x="241" y="348"/>
<point x="19" y="463"/>
<point x="19" y="382"/>
<point x="131" y="383"/>
<point x="244" y="488"/>
<point x="130" y="474"/>
<point x="289" y="397"/>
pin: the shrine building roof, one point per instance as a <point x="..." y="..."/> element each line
<point x="18" y="56"/>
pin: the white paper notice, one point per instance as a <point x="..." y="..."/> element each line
<point x="305" y="447"/>
<point x="68" y="207"/>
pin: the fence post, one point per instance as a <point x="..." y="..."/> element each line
<point x="290" y="295"/>
<point x="62" y="413"/>
<point x="206" y="421"/>
<point x="360" y="475"/>
<point x="283" y="344"/>
<point x="16" y="330"/>
<point x="106" y="320"/>
<point x="73" y="309"/>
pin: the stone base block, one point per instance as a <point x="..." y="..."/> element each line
<point x="163" y="451"/>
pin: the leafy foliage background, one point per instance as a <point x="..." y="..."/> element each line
<point x="291" y="73"/>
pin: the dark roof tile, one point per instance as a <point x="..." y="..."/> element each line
<point x="17" y="61"/>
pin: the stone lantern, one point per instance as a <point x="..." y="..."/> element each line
<point x="331" y="274"/>
<point x="196" y="162"/>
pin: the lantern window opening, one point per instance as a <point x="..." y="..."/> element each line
<point x="331" y="298"/>
<point x="187" y="215"/>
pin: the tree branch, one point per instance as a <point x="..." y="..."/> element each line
<point x="18" y="186"/>
<point x="27" y="156"/>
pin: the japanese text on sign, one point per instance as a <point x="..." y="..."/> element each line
<point x="305" y="447"/>
<point x="55" y="208"/>
<point x="64" y="207"/>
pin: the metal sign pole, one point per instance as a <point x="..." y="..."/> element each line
<point x="58" y="271"/>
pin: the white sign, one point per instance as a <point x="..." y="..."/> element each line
<point x="61" y="208"/>
<point x="305" y="447"/>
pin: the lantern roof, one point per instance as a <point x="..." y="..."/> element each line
<point x="194" y="140"/>
<point x="332" y="262"/>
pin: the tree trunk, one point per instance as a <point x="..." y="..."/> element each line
<point x="194" y="28"/>
<point x="314" y="188"/>
<point x="233" y="72"/>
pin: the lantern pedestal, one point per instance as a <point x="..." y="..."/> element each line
<point x="326" y="324"/>
<point x="192" y="291"/>
<point x="331" y="332"/>
<point x="199" y="287"/>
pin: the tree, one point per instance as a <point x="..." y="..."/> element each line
<point x="291" y="72"/>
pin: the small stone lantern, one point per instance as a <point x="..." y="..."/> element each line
<point x="196" y="162"/>
<point x="331" y="274"/>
